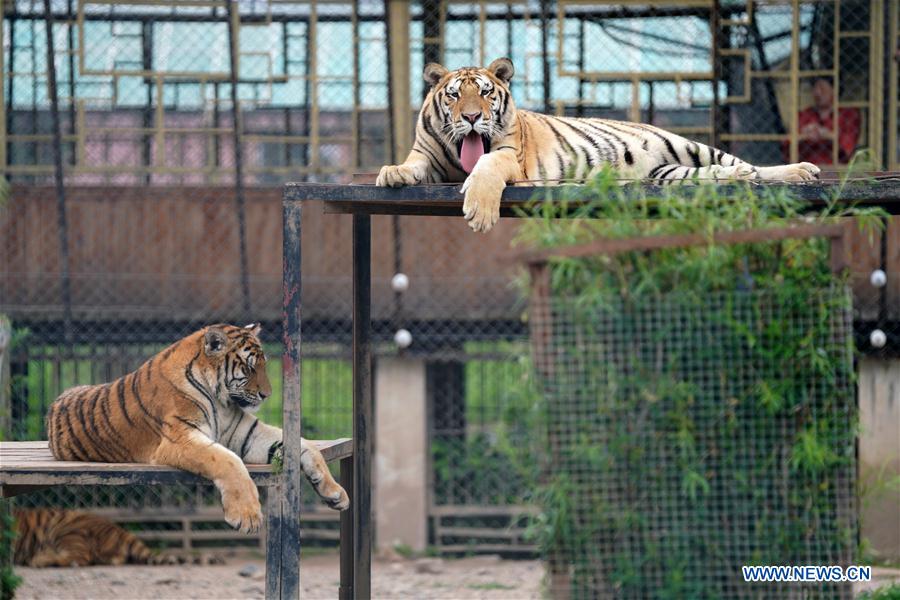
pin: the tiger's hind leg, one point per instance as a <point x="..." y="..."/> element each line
<point x="740" y="171"/>
<point x="668" y="173"/>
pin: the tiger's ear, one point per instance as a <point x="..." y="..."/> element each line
<point x="254" y="328"/>
<point x="433" y="73"/>
<point x="503" y="69"/>
<point x="214" y="342"/>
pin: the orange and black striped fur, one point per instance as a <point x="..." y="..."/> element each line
<point x="188" y="407"/>
<point x="48" y="537"/>
<point x="470" y="131"/>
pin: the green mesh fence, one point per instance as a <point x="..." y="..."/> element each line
<point x="690" y="435"/>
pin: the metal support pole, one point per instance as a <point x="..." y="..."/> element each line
<point x="70" y="30"/>
<point x="346" y="590"/>
<point x="715" y="26"/>
<point x="274" y="519"/>
<point x="62" y="224"/>
<point x="363" y="411"/>
<point x="545" y="49"/>
<point x="147" y="65"/>
<point x="431" y="31"/>
<point x="357" y="95"/>
<point x="233" y="32"/>
<point x="579" y="110"/>
<point x="292" y="475"/>
<point x="397" y="21"/>
<point x="888" y="51"/>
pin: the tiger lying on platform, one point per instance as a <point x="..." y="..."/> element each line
<point x="47" y="537"/>
<point x="188" y="407"/>
<point x="469" y="130"/>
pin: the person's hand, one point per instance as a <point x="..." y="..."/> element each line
<point x="815" y="132"/>
<point x="810" y="132"/>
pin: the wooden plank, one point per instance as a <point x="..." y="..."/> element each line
<point x="464" y="510"/>
<point x="501" y="533"/>
<point x="435" y="199"/>
<point x="335" y="449"/>
<point x="489" y="548"/>
<point x="39" y="451"/>
<point x="48" y="477"/>
<point x="317" y="513"/>
<point x="31" y="464"/>
<point x="10" y="491"/>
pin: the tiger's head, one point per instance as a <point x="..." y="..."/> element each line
<point x="237" y="355"/>
<point x="473" y="107"/>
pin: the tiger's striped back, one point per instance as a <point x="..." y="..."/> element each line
<point x="48" y="537"/>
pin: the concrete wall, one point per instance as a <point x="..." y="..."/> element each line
<point x="401" y="454"/>
<point x="879" y="454"/>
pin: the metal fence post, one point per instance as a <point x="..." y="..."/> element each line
<point x="292" y="474"/>
<point x="5" y="379"/>
<point x="234" y="24"/>
<point x="363" y="442"/>
<point x="58" y="176"/>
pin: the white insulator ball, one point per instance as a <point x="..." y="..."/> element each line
<point x="877" y="338"/>
<point x="878" y="278"/>
<point x="400" y="282"/>
<point x="403" y="338"/>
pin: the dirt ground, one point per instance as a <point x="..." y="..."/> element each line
<point x="477" y="577"/>
<point x="486" y="577"/>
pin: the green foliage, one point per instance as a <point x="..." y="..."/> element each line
<point x="9" y="581"/>
<point x="278" y="461"/>
<point x="888" y="592"/>
<point x="404" y="550"/>
<point x="699" y="411"/>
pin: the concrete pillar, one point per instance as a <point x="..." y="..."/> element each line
<point x="401" y="454"/>
<point x="879" y="454"/>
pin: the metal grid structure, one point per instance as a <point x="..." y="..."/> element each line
<point x="157" y="183"/>
<point x="689" y="435"/>
<point x="673" y="473"/>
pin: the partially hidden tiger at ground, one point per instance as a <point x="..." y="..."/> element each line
<point x="189" y="406"/>
<point x="49" y="537"/>
<point x="470" y="131"/>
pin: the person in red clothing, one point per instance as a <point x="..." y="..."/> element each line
<point x="816" y="127"/>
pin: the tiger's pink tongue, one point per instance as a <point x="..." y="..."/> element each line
<point x="471" y="151"/>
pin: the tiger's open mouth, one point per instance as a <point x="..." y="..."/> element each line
<point x="472" y="147"/>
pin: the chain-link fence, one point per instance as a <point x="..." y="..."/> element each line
<point x="697" y="402"/>
<point x="169" y="213"/>
<point x="686" y="444"/>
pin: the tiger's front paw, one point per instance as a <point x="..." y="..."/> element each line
<point x="242" y="509"/>
<point x="335" y="497"/>
<point x="481" y="207"/>
<point x="396" y="176"/>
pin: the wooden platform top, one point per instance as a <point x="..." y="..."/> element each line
<point x="445" y="200"/>
<point x="26" y="464"/>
